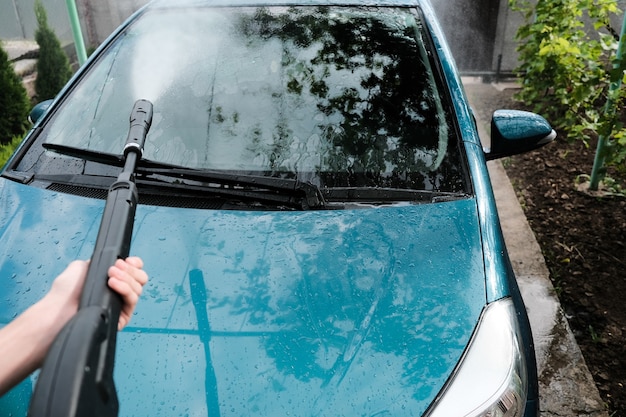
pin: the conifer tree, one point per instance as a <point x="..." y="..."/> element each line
<point x="53" y="67"/>
<point x="14" y="103"/>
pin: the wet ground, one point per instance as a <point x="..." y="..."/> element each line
<point x="583" y="239"/>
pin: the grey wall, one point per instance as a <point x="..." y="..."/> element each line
<point x="100" y="17"/>
<point x="17" y="19"/>
<point x="505" y="56"/>
<point x="470" y="28"/>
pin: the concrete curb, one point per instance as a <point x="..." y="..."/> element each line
<point x="566" y="387"/>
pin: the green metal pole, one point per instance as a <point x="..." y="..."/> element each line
<point x="79" y="43"/>
<point x="597" y="172"/>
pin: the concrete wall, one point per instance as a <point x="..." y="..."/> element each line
<point x="505" y="56"/>
<point x="470" y="28"/>
<point x="18" y="22"/>
<point x="101" y="17"/>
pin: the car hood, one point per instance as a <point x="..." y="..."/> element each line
<point x="347" y="312"/>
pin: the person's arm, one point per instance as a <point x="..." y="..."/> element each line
<point x="25" y="341"/>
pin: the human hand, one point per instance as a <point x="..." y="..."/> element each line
<point x="25" y="341"/>
<point x="127" y="278"/>
<point x="64" y="296"/>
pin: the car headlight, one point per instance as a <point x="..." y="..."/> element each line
<point x="491" y="379"/>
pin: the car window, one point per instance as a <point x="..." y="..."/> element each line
<point x="338" y="96"/>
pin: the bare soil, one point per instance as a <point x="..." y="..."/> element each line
<point x="583" y="239"/>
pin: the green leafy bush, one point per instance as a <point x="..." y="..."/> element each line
<point x="7" y="149"/>
<point x="53" y="67"/>
<point x="567" y="51"/>
<point x="14" y="103"/>
<point x="563" y="69"/>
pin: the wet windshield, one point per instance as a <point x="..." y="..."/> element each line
<point x="340" y="97"/>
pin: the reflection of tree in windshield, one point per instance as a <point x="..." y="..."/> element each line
<point x="370" y="77"/>
<point x="322" y="322"/>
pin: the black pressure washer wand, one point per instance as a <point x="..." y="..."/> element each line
<point x="76" y="379"/>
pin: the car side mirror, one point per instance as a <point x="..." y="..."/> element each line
<point x="39" y="110"/>
<point x="514" y="132"/>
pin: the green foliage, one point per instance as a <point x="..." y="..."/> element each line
<point x="562" y="67"/>
<point x="567" y="67"/>
<point x="619" y="150"/>
<point x="6" y="150"/>
<point x="14" y="103"/>
<point x="53" y="67"/>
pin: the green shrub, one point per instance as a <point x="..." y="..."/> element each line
<point x="566" y="68"/>
<point x="53" y="67"/>
<point x="563" y="69"/>
<point x="6" y="150"/>
<point x="14" y="103"/>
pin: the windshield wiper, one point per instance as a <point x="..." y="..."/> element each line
<point x="86" y="154"/>
<point x="381" y="195"/>
<point x="277" y="190"/>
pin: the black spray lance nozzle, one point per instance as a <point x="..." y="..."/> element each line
<point x="140" y="121"/>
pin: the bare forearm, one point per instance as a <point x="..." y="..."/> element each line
<point x="25" y="341"/>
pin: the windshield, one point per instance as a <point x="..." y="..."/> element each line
<point x="335" y="96"/>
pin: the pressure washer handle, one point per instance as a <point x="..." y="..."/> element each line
<point x="76" y="379"/>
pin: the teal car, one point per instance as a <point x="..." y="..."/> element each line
<point x="315" y="214"/>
